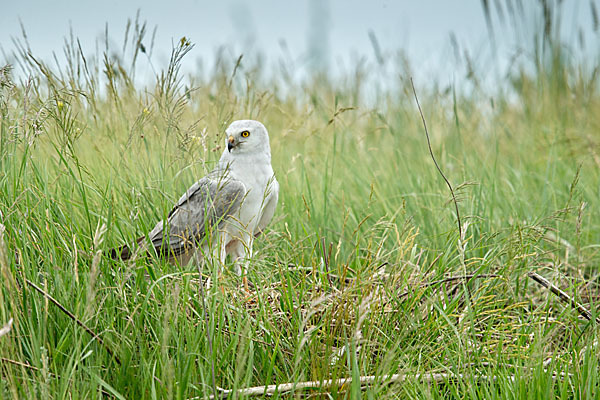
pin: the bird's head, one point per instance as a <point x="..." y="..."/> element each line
<point x="247" y="136"/>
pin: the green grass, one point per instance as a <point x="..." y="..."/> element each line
<point x="89" y="161"/>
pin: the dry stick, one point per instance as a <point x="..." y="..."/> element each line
<point x="74" y="318"/>
<point x="436" y="164"/>
<point x="562" y="295"/>
<point x="450" y="279"/>
<point x="19" y="363"/>
<point x="364" y="380"/>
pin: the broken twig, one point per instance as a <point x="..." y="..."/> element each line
<point x="584" y="312"/>
<point x="19" y="363"/>
<point x="450" y="279"/>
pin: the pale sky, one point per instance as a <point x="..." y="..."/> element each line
<point x="421" y="28"/>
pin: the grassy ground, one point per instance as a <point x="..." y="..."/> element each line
<point x="89" y="161"/>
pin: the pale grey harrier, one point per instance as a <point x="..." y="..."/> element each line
<point x="223" y="212"/>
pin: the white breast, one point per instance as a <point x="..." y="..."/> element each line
<point x="257" y="180"/>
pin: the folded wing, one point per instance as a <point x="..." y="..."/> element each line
<point x="204" y="206"/>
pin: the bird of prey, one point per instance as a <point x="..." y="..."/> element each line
<point x="223" y="212"/>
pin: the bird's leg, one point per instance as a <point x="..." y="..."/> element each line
<point x="236" y="250"/>
<point x="237" y="269"/>
<point x="241" y="253"/>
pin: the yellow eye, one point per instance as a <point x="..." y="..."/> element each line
<point x="245" y="134"/>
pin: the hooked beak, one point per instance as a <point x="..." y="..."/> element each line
<point x="230" y="143"/>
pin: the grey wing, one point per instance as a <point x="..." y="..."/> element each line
<point x="204" y="206"/>
<point x="269" y="208"/>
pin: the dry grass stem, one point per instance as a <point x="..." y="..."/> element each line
<point x="74" y="318"/>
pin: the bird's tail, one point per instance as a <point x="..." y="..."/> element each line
<point x="123" y="252"/>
